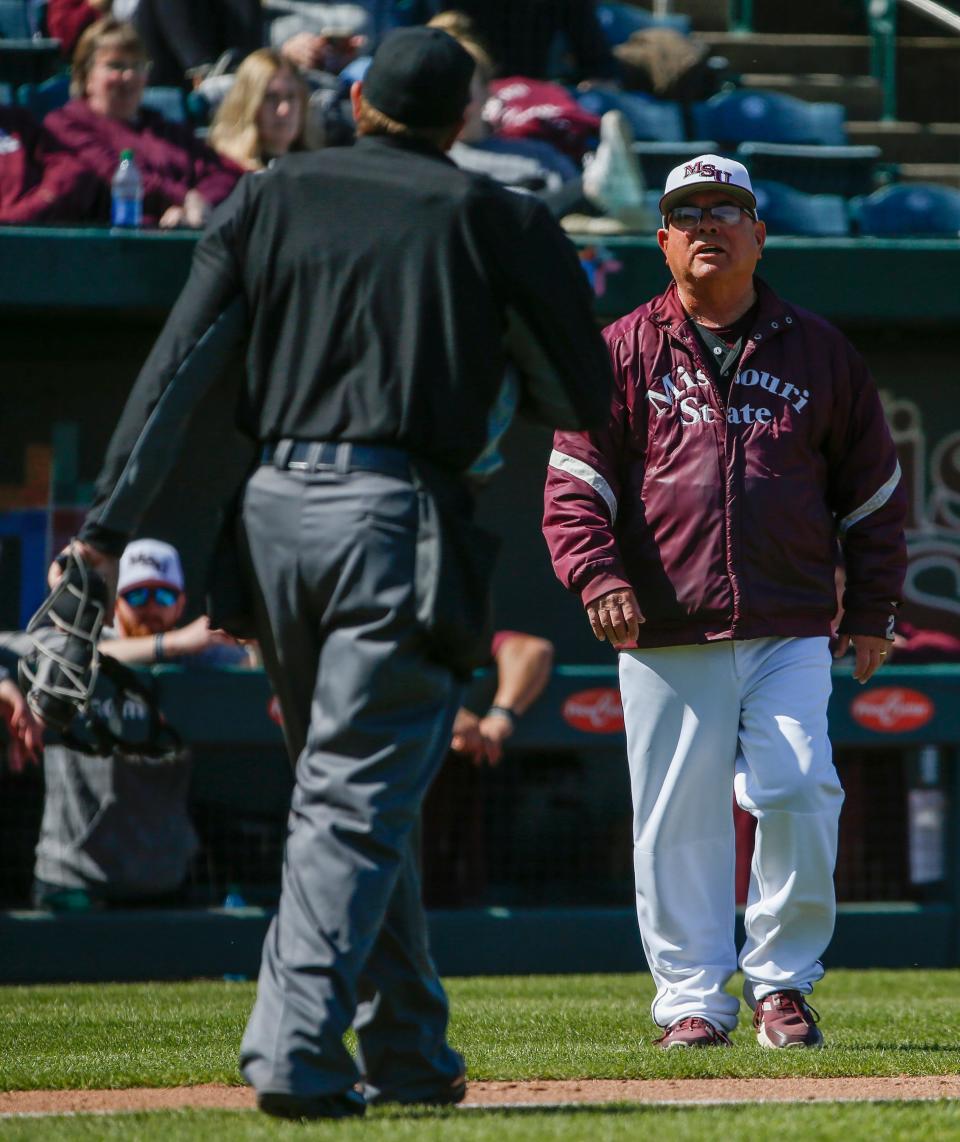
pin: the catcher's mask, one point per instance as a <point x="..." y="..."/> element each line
<point x="60" y="671"/>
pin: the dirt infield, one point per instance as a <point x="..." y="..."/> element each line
<point x="643" y="1092"/>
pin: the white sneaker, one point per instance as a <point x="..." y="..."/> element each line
<point x="613" y="180"/>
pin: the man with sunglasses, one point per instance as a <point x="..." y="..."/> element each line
<point x="115" y="828"/>
<point x="746" y="441"/>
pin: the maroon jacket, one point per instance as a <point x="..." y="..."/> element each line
<point x="39" y="181"/>
<point x="724" y="518"/>
<point x="170" y="159"/>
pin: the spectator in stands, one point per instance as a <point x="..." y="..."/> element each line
<point x="115" y="828"/>
<point x="526" y="164"/>
<point x="322" y="37"/>
<point x="24" y="732"/>
<point x="453" y="845"/>
<point x="315" y="34"/>
<point x="182" y="177"/>
<point x="39" y="180"/>
<point x="184" y="38"/>
<point x="523" y="34"/>
<point x="263" y="114"/>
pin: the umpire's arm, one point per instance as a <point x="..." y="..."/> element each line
<point x="552" y="334"/>
<point x="204" y="328"/>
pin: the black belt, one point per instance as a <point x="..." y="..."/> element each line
<point x="333" y="456"/>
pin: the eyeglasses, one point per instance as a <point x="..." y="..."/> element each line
<point x="118" y="67"/>
<point x="726" y="213"/>
<point x="140" y="596"/>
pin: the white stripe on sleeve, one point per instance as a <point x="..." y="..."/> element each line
<point x="577" y="468"/>
<point x="877" y="500"/>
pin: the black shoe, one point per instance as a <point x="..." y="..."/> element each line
<point x="455" y="1091"/>
<point x="349" y="1104"/>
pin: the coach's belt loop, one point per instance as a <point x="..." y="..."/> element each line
<point x="342" y="463"/>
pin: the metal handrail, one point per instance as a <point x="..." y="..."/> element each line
<point x="936" y="12"/>
<point x="882" y="24"/>
<point x="740" y="12"/>
<point x="740" y="15"/>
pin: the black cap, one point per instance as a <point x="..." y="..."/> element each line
<point x="420" y="77"/>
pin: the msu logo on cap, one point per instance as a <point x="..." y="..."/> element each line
<point x="707" y="170"/>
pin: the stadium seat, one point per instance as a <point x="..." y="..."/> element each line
<point x="6" y="94"/>
<point x="657" y="160"/>
<point x="198" y="108"/>
<point x="768" y="117"/>
<point x="169" y="101"/>
<point x="42" y="98"/>
<point x="620" y="21"/>
<point x="789" y="211"/>
<point x="649" y="118"/>
<point x="909" y="208"/>
<point x="15" y="21"/>
<point x="848" y="171"/>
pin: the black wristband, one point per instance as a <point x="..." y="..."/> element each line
<point x="158" y="647"/>
<point x="503" y="712"/>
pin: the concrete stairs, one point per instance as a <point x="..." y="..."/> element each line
<point x="819" y="51"/>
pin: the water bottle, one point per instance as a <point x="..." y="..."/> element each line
<point x="126" y="208"/>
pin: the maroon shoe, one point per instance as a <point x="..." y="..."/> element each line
<point x="785" y="1019"/>
<point x="692" y="1032"/>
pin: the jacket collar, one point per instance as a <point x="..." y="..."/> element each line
<point x="774" y="316"/>
<point x="403" y="143"/>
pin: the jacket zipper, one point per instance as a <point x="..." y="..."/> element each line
<point x="690" y="340"/>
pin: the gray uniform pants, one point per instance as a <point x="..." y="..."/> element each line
<point x="367" y="718"/>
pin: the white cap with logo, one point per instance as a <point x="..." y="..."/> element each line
<point x="708" y="172"/>
<point x="149" y="562"/>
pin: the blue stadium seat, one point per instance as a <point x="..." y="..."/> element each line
<point x="41" y="98"/>
<point x="769" y="117"/>
<point x="620" y="21"/>
<point x="198" y="108"/>
<point x="789" y="211"/>
<point x="6" y="94"/>
<point x="848" y="171"/>
<point x="169" y="101"/>
<point x="649" y="118"/>
<point x="15" y="21"/>
<point x="657" y="160"/>
<point x="909" y="208"/>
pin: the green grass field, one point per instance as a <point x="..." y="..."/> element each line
<point x="876" y="1023"/>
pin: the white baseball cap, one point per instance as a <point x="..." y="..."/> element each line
<point x="149" y="562"/>
<point x="708" y="172"/>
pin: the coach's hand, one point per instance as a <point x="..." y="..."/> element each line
<point x="871" y="651"/>
<point x="616" y="617"/>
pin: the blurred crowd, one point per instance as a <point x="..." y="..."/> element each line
<point x="202" y="92"/>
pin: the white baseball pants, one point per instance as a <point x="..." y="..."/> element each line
<point x="749" y="716"/>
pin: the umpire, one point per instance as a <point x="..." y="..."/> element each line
<point x="381" y="292"/>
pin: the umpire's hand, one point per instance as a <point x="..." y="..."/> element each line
<point x="93" y="557"/>
<point x="616" y="617"/>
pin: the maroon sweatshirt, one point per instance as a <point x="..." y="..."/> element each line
<point x="67" y="19"/>
<point x="170" y="159"/>
<point x="724" y="515"/>
<point x="39" y="181"/>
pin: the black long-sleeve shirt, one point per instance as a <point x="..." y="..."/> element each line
<point x="381" y="291"/>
